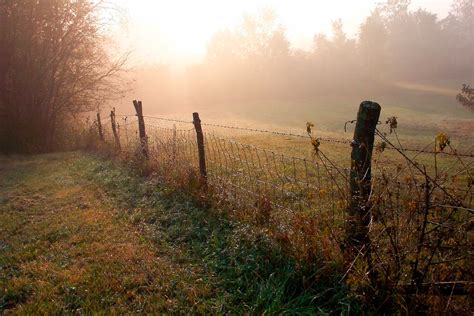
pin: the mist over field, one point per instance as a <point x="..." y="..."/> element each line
<point x="251" y="157"/>
<point x="409" y="59"/>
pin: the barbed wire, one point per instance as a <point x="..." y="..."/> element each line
<point x="423" y="151"/>
<point x="168" y="120"/>
<point x="333" y="140"/>
<point x="287" y="179"/>
<point x="433" y="152"/>
<point x="169" y="129"/>
<point x="341" y="141"/>
<point x="301" y="136"/>
<point x="125" y="115"/>
<point x="126" y="124"/>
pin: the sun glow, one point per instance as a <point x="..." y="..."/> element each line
<point x="176" y="31"/>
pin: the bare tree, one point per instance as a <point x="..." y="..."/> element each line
<point x="54" y="67"/>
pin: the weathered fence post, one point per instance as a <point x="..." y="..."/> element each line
<point x="114" y="129"/>
<point x="201" y="151"/>
<point x="99" y="127"/>
<point x="357" y="230"/>
<point x="174" y="142"/>
<point x="141" y="127"/>
<point x="126" y="132"/>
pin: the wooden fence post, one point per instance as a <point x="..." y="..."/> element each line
<point x="99" y="126"/>
<point x="357" y="230"/>
<point x="126" y="132"/>
<point x="174" y="142"/>
<point x="114" y="129"/>
<point x="201" y="151"/>
<point x="141" y="128"/>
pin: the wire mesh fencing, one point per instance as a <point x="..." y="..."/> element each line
<point x="420" y="204"/>
<point x="247" y="176"/>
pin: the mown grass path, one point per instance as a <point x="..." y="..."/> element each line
<point x="82" y="234"/>
<point x="63" y="247"/>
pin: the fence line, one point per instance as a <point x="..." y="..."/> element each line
<point x="290" y="164"/>
<point x="323" y="139"/>
<point x="373" y="206"/>
<point x="331" y="169"/>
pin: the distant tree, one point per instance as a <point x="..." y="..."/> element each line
<point x="466" y="97"/>
<point x="372" y="44"/>
<point x="457" y="39"/>
<point x="393" y="8"/>
<point x="251" y="61"/>
<point x="418" y="46"/>
<point x="54" y="67"/>
<point x="334" y="59"/>
<point x="223" y="47"/>
<point x="257" y="36"/>
<point x="338" y="44"/>
<point x="395" y="44"/>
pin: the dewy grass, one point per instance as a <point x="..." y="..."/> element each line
<point x="84" y="234"/>
<point x="254" y="273"/>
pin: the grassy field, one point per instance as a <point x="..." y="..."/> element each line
<point x="422" y="112"/>
<point x="82" y="234"/>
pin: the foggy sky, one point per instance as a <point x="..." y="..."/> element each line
<point x="177" y="32"/>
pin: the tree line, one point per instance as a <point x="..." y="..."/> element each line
<point x="393" y="44"/>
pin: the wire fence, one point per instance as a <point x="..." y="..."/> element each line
<point x="420" y="201"/>
<point x="293" y="182"/>
<point x="300" y="183"/>
<point x="469" y="153"/>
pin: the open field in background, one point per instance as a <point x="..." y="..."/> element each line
<point x="417" y="126"/>
<point x="418" y="123"/>
<point x="423" y="110"/>
<point x="266" y="158"/>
